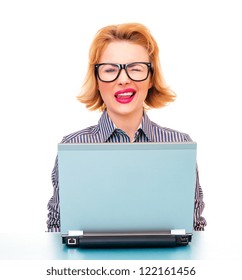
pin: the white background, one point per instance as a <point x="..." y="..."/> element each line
<point x="43" y="59"/>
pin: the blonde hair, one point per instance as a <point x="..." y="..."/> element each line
<point x="158" y="95"/>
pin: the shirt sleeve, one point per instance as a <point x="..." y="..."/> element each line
<point x="199" y="220"/>
<point x="53" y="222"/>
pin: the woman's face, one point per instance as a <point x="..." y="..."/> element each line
<point x="124" y="96"/>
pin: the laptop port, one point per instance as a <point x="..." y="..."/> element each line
<point x="182" y="240"/>
<point x="72" y="241"/>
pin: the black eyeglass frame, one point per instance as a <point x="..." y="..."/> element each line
<point x="123" y="66"/>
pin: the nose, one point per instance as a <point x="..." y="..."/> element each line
<point x="123" y="78"/>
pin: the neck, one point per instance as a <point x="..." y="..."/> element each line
<point x="129" y="123"/>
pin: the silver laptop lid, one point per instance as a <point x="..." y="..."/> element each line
<point x="127" y="186"/>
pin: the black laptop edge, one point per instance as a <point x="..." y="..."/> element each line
<point x="126" y="239"/>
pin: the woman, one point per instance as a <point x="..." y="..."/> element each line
<point x="124" y="80"/>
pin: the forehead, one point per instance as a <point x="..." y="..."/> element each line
<point x="124" y="52"/>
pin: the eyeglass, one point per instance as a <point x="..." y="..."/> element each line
<point x="136" y="71"/>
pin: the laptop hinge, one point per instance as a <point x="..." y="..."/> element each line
<point x="178" y="231"/>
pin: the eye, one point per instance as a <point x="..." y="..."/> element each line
<point x="136" y="67"/>
<point x="108" y="68"/>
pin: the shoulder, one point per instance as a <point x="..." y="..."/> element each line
<point x="86" y="135"/>
<point x="165" y="134"/>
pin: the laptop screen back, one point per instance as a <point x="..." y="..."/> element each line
<point x="127" y="186"/>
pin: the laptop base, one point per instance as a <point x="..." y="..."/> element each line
<point x="127" y="240"/>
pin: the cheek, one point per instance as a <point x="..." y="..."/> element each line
<point x="103" y="87"/>
<point x="104" y="91"/>
<point x="146" y="86"/>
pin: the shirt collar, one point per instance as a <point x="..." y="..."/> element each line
<point x="146" y="126"/>
<point x="107" y="127"/>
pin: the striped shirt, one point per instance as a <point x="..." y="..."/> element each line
<point x="105" y="131"/>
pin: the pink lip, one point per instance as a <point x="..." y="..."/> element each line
<point x="124" y="99"/>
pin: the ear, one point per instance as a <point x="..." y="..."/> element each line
<point x="150" y="85"/>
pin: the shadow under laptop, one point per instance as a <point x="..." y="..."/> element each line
<point x="180" y="253"/>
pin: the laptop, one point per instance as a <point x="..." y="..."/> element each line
<point x="127" y="194"/>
